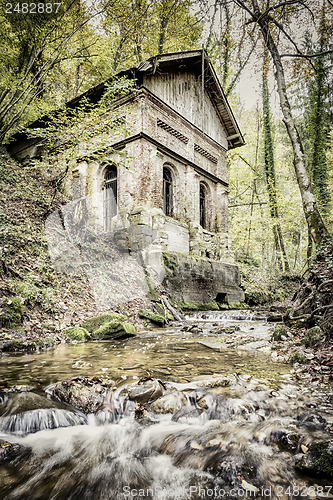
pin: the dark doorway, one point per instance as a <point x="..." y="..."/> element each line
<point x="222" y="298"/>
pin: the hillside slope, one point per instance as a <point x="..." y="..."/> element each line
<point x="49" y="297"/>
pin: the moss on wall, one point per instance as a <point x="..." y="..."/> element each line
<point x="170" y="261"/>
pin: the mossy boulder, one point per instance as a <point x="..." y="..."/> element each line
<point x="280" y="333"/>
<point x="94" y="323"/>
<point x="298" y="357"/>
<point x="318" y="460"/>
<point x="313" y="336"/>
<point x="114" y="330"/>
<point x="14" y="310"/>
<point x="77" y="333"/>
<point x="157" y="319"/>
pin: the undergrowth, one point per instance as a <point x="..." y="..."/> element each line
<point x="25" y="266"/>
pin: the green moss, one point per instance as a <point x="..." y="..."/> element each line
<point x="33" y="293"/>
<point x="170" y="261"/>
<point x="114" y="330"/>
<point x="14" y="310"/>
<point x="93" y="324"/>
<point x="50" y="328"/>
<point x="17" y="344"/>
<point x="160" y="309"/>
<point x="210" y="306"/>
<point x="321" y="456"/>
<point x="223" y="307"/>
<point x="190" y="306"/>
<point x="298" y="357"/>
<point x="77" y="333"/>
<point x="279" y="332"/>
<point x="163" y="312"/>
<point x="158" y="319"/>
<point x="152" y="292"/>
<point x="312" y="336"/>
<point x="238" y="305"/>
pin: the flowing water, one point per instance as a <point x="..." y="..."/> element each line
<point x="227" y="423"/>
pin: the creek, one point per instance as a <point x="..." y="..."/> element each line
<point x="227" y="422"/>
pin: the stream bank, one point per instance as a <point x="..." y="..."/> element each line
<point x="251" y="329"/>
<point x="197" y="406"/>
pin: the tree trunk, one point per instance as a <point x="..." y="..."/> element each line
<point x="270" y="170"/>
<point x="317" y="228"/>
<point x="161" y="38"/>
<point x="318" y="125"/>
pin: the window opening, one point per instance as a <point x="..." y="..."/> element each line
<point x="203" y="206"/>
<point x="110" y="196"/>
<point x="167" y="192"/>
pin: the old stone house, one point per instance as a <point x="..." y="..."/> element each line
<point x="170" y="194"/>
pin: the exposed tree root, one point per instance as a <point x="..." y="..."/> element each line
<point x="313" y="304"/>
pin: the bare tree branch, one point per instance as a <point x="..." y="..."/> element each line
<point x="285" y="4"/>
<point x="309" y="56"/>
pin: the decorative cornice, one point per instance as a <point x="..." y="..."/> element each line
<point x="160" y="147"/>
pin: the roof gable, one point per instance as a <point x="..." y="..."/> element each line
<point x="191" y="62"/>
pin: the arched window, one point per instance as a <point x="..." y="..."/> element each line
<point x="203" y="205"/>
<point x="110" y="195"/>
<point x="167" y="192"/>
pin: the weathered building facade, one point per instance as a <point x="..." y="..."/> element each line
<point x="163" y="186"/>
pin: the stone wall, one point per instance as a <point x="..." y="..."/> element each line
<point x="155" y="136"/>
<point x="195" y="280"/>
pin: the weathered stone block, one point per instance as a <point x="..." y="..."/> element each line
<point x="140" y="218"/>
<point x="200" y="281"/>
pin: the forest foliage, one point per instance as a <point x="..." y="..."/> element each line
<point x="47" y="59"/>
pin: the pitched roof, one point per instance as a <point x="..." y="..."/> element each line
<point x="193" y="61"/>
